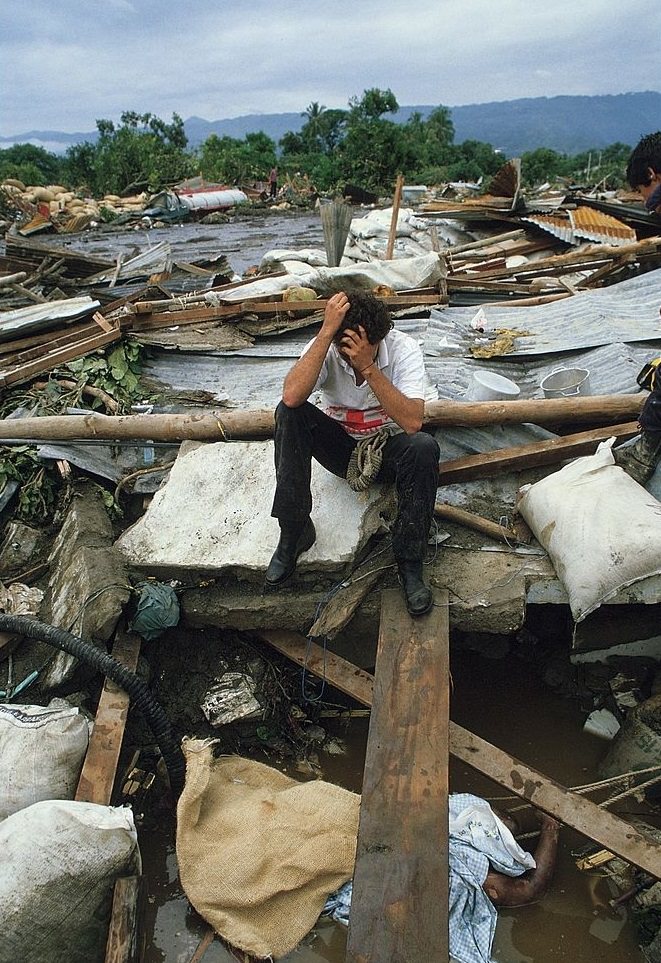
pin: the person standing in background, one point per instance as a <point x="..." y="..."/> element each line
<point x="273" y="182"/>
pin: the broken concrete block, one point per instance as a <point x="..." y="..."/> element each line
<point x="214" y="514"/>
<point x="88" y="586"/>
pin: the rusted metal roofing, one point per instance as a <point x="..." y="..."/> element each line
<point x="602" y="228"/>
<point x="558" y="225"/>
<point x="582" y="224"/>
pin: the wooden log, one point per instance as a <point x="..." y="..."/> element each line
<point x="507" y="771"/>
<point x="228" y="424"/>
<point x="6" y="280"/>
<point x="126" y="937"/>
<point x="531" y="456"/>
<point x="586" y="409"/>
<point x="399" y="905"/>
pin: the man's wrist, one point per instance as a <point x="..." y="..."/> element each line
<point x="364" y="371"/>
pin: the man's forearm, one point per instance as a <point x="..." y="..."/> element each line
<point x="302" y="378"/>
<point x="406" y="412"/>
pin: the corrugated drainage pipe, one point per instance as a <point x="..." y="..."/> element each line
<point x="129" y="681"/>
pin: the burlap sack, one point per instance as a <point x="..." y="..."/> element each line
<point x="258" y="852"/>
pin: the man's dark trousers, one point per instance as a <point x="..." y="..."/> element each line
<point x="410" y="461"/>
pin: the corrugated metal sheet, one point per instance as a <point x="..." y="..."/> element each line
<point x="625" y="312"/>
<point x="600" y="227"/>
<point x="584" y="223"/>
<point x="558" y="225"/>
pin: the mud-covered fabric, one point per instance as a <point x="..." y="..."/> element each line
<point x="258" y="852"/>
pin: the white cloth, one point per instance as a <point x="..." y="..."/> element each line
<point x="356" y="407"/>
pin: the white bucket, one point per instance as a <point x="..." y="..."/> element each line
<point x="489" y="386"/>
<point x="566" y="383"/>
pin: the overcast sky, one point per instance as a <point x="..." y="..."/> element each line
<point x="66" y="63"/>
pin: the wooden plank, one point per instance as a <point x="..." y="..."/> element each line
<point x="575" y="811"/>
<point x="531" y="456"/>
<point x="145" y="316"/>
<point x="49" y="339"/>
<point x="51" y="360"/>
<point x="345" y="676"/>
<point x="400" y="887"/>
<point x="98" y="774"/>
<point x="126" y="938"/>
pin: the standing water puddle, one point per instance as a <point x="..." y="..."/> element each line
<point x="505" y="703"/>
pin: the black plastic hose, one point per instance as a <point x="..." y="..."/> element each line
<point x="132" y="685"/>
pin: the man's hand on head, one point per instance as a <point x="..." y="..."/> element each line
<point x="334" y="312"/>
<point x="356" y="348"/>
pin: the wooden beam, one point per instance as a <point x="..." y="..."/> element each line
<point x="145" y="316"/>
<point x="507" y="771"/>
<point x="126" y="937"/>
<point x="531" y="456"/>
<point x="400" y="887"/>
<point x="98" y="774"/>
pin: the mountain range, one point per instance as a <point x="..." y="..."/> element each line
<point x="567" y="124"/>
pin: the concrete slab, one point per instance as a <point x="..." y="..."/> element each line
<point x="213" y="515"/>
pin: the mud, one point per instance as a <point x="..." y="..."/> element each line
<point x="243" y="240"/>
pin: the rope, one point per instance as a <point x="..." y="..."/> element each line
<point x="366" y="460"/>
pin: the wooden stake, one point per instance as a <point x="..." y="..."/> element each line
<point x="397" y="199"/>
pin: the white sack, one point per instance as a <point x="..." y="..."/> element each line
<point x="60" y="860"/>
<point x="42" y="749"/>
<point x="602" y="530"/>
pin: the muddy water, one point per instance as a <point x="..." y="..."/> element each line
<point x="504" y="702"/>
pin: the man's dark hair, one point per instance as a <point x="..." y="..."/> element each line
<point x="371" y="313"/>
<point x="645" y="155"/>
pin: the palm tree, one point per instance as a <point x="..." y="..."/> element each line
<point x="311" y="127"/>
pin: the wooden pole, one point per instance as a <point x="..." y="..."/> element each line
<point x="397" y="200"/>
<point x="233" y="425"/>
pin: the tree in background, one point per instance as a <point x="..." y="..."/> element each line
<point x="541" y="165"/>
<point x="143" y="152"/>
<point x="231" y="161"/>
<point x="31" y="165"/>
<point x="374" y="150"/>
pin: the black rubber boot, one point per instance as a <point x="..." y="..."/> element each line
<point x="293" y="542"/>
<point x="640" y="459"/>
<point x="419" y="599"/>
